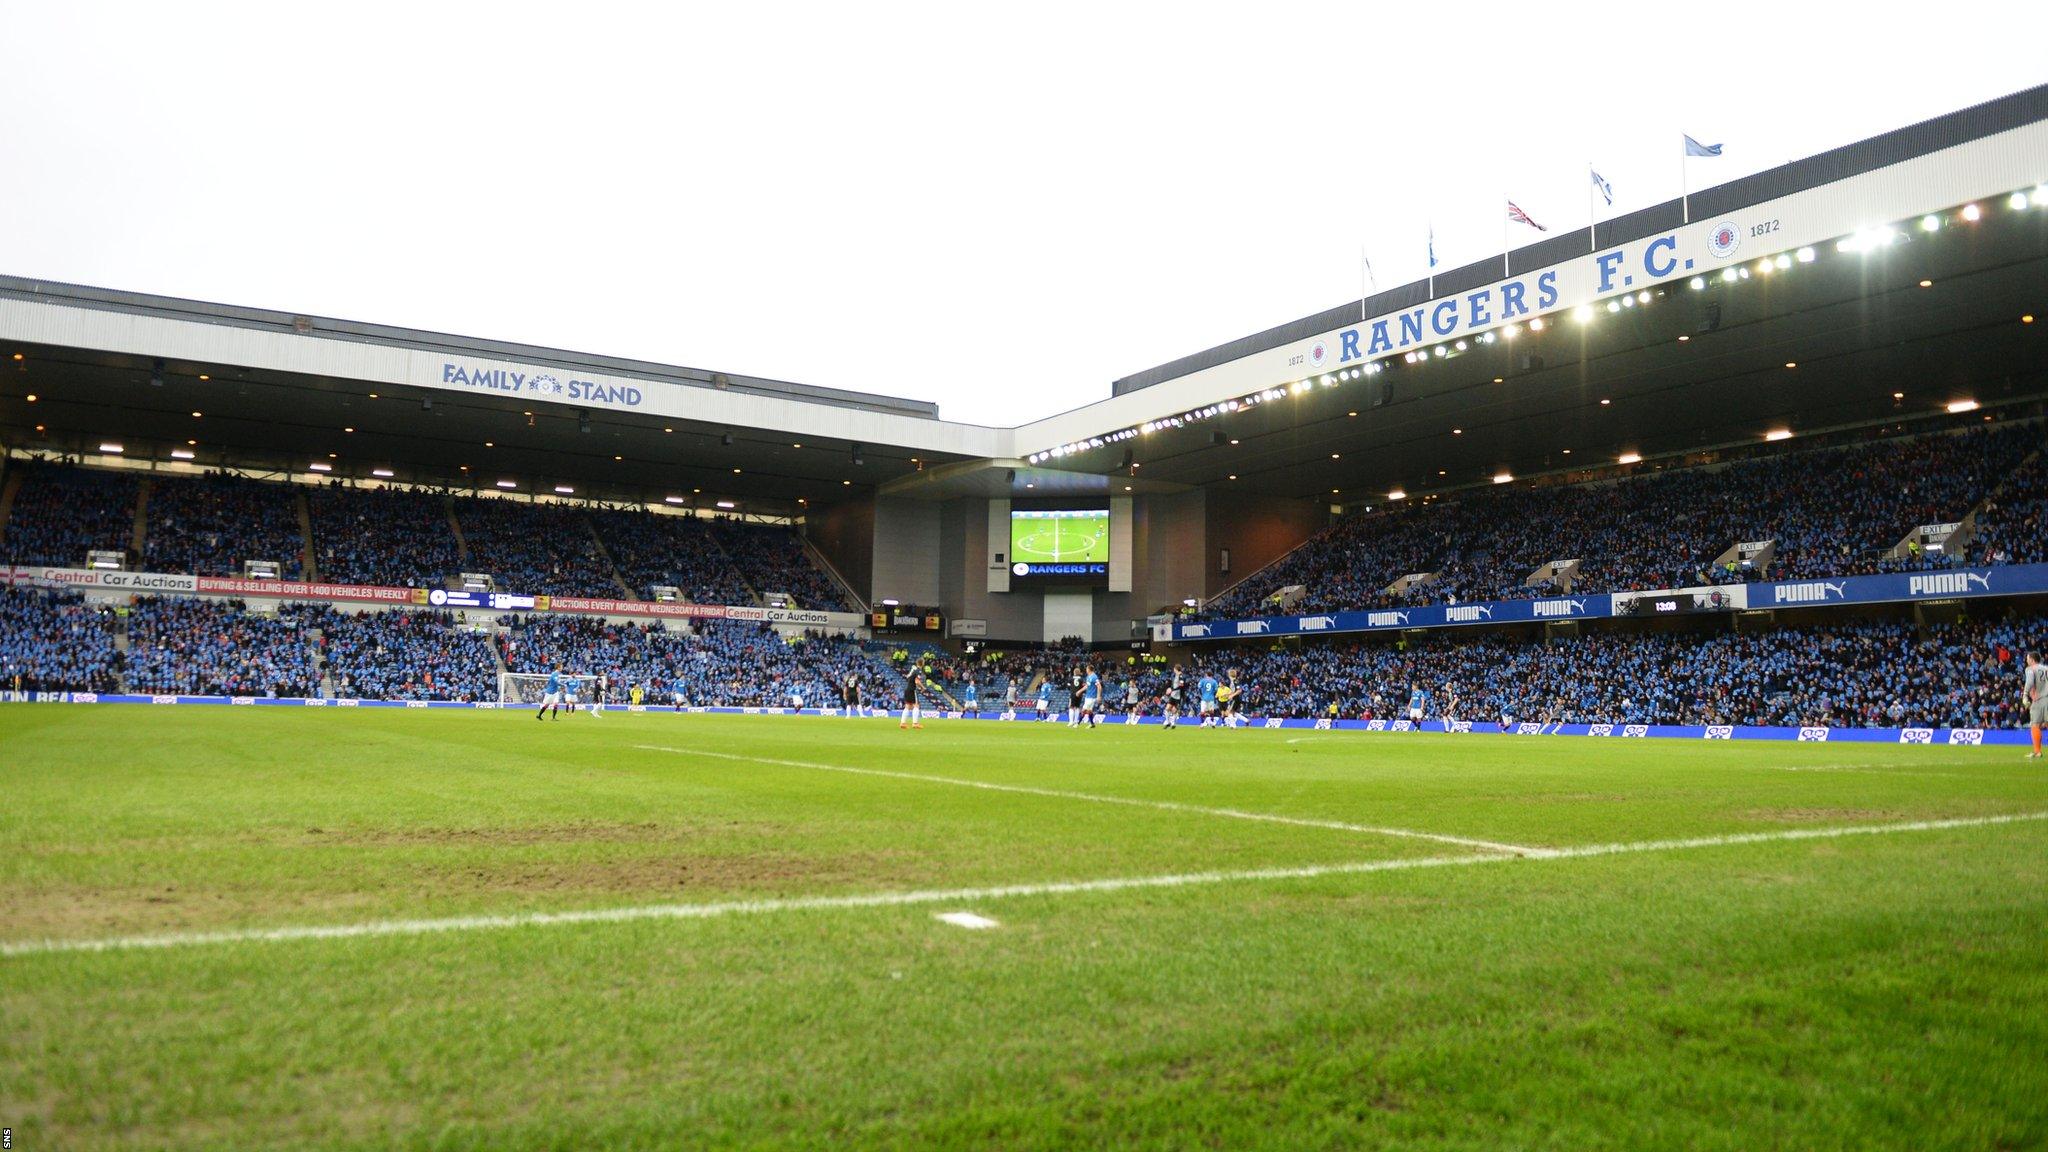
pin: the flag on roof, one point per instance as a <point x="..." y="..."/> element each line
<point x="1516" y="214"/>
<point x="1695" y="148"/>
<point x="1606" y="189"/>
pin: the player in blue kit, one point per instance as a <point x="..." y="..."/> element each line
<point x="1091" y="700"/>
<point x="1044" y="697"/>
<point x="972" y="698"/>
<point x="1418" y="703"/>
<point x="1208" y="687"/>
<point x="552" y="698"/>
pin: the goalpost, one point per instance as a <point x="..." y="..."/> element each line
<point x="529" y="688"/>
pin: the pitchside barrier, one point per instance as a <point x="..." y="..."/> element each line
<point x="1950" y="736"/>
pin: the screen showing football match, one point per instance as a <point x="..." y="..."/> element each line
<point x="1060" y="543"/>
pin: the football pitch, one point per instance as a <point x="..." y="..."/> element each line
<point x="1076" y="539"/>
<point x="324" y="929"/>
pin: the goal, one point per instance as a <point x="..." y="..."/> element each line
<point x="531" y="687"/>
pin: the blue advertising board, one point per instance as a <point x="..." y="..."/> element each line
<point x="1933" y="584"/>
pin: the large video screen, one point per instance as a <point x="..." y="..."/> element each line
<point x="1060" y="544"/>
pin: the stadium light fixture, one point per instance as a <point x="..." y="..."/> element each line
<point x="1503" y="478"/>
<point x="1625" y="458"/>
<point x="1397" y="494"/>
<point x="1536" y="325"/>
<point x="2018" y="201"/>
<point x="31" y="397"/>
<point x="1684" y="339"/>
<point x="196" y="415"/>
<point x="1778" y="434"/>
<point x="2027" y="319"/>
<point x="1791" y="363"/>
<point x="1233" y="476"/>
<point x="182" y="454"/>
<point x="1960" y="406"/>
<point x="890" y="603"/>
<point x="507" y="484"/>
<point x="1461" y="345"/>
<point x="1782" y="262"/>
<point x="1805" y="255"/>
<point x="1930" y="223"/>
<point x="1583" y="314"/>
<point x="382" y="473"/>
<point x="320" y="466"/>
<point x="1642" y="297"/>
<point x="1454" y="432"/>
<point x="671" y="499"/>
<point x="348" y="430"/>
<point x="565" y="490"/>
<point x="727" y="505"/>
<point x="1697" y="283"/>
<point x="114" y="449"/>
<point x="1971" y="212"/>
<point x="1730" y="275"/>
<point x="1898" y="395"/>
<point x="1618" y="305"/>
<point x="1605" y="402"/>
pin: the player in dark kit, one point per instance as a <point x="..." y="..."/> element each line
<point x="849" y="694"/>
<point x="913" y="713"/>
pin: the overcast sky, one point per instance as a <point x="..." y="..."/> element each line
<point x="998" y="207"/>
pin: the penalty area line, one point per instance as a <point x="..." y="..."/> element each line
<point x="376" y="928"/>
<point x="1127" y="801"/>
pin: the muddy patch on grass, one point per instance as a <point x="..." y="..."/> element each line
<point x="1823" y="815"/>
<point x="744" y="873"/>
<point x="518" y="835"/>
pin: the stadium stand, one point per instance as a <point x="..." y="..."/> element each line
<point x="52" y="641"/>
<point x="62" y="512"/>
<point x="1833" y="511"/>
<point x="194" y="646"/>
<point x="773" y="559"/>
<point x="537" y="549"/>
<point x="210" y="524"/>
<point x="382" y="536"/>
<point x="402" y="655"/>
<point x="651" y="549"/>
<point x="1849" y="675"/>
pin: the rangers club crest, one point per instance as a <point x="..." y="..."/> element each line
<point x="1318" y="354"/>
<point x="1723" y="239"/>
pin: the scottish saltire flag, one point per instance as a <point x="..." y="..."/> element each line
<point x="1695" y="148"/>
<point x="1606" y="189"/>
<point x="1432" y="246"/>
<point x="1516" y="214"/>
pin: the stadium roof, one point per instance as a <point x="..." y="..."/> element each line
<point x="1693" y="358"/>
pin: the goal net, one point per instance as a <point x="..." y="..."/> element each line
<point x="532" y="687"/>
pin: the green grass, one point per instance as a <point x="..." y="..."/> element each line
<point x="1861" y="992"/>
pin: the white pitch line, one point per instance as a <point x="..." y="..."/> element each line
<point x="375" y="928"/>
<point x="1096" y="798"/>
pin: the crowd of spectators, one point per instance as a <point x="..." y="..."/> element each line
<point x="61" y="512"/>
<point x="650" y="549"/>
<point x="535" y="549"/>
<point x="1832" y="512"/>
<point x="208" y="525"/>
<point x="1850" y="675"/>
<point x="194" y="646"/>
<point x="52" y="641"/>
<point x="728" y="663"/>
<point x="772" y="559"/>
<point x="400" y="655"/>
<point x="382" y="536"/>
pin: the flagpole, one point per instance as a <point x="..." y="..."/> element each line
<point x="1684" y="186"/>
<point x="1504" y="272"/>
<point x="1432" y="259"/>
<point x="1592" y="224"/>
